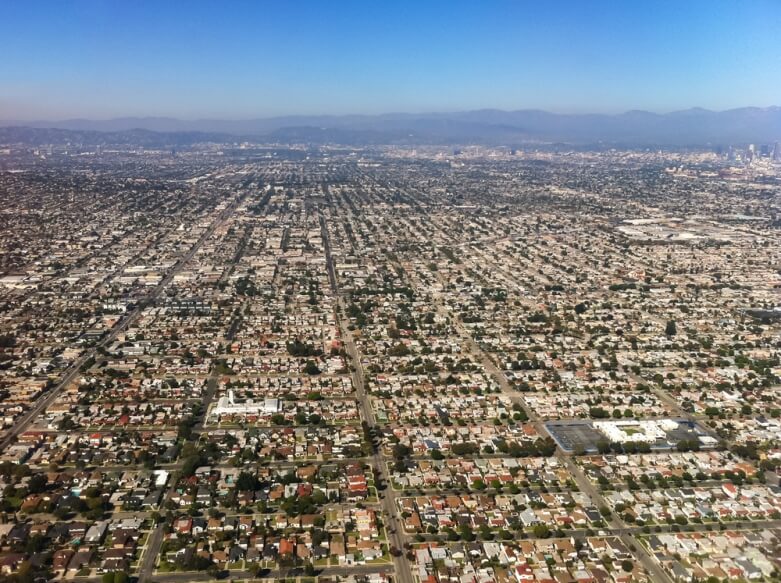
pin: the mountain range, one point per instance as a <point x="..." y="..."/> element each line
<point x="691" y="127"/>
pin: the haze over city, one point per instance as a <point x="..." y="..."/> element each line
<point x="98" y="59"/>
<point x="432" y="292"/>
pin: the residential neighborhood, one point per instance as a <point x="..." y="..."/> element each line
<point x="389" y="364"/>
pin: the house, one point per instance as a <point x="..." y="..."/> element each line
<point x="61" y="558"/>
<point x="681" y="573"/>
<point x="286" y="547"/>
<point x="114" y="560"/>
<point x="183" y="525"/>
<point x="80" y="560"/>
<point x="337" y="548"/>
<point x="96" y="532"/>
<point x="19" y="533"/>
<point x="235" y="554"/>
<point x="77" y="530"/>
<point x="10" y="563"/>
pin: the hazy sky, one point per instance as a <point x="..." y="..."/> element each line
<point x="231" y="59"/>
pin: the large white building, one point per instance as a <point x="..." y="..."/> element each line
<point x="227" y="405"/>
<point x="646" y="431"/>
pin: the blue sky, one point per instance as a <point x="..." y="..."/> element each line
<point x="232" y="59"/>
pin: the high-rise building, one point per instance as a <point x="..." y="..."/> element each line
<point x="750" y="151"/>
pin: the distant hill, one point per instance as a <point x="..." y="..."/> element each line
<point x="35" y="136"/>
<point x="689" y="127"/>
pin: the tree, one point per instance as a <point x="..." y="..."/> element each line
<point x="247" y="482"/>
<point x="62" y="512"/>
<point x="671" y="329"/>
<point x="466" y="533"/>
<point x="452" y="535"/>
<point x="311" y="368"/>
<point x="399" y="349"/>
<point x="485" y="532"/>
<point x="688" y="445"/>
<point x="298" y="348"/>
<point x="37" y="484"/>
<point x="35" y="544"/>
<point x="627" y="565"/>
<point x="541" y="531"/>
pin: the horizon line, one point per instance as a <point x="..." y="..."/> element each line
<point x="389" y="113"/>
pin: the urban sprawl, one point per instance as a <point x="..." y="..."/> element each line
<point x="416" y="365"/>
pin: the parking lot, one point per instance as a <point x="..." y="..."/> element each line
<point x="575" y="435"/>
